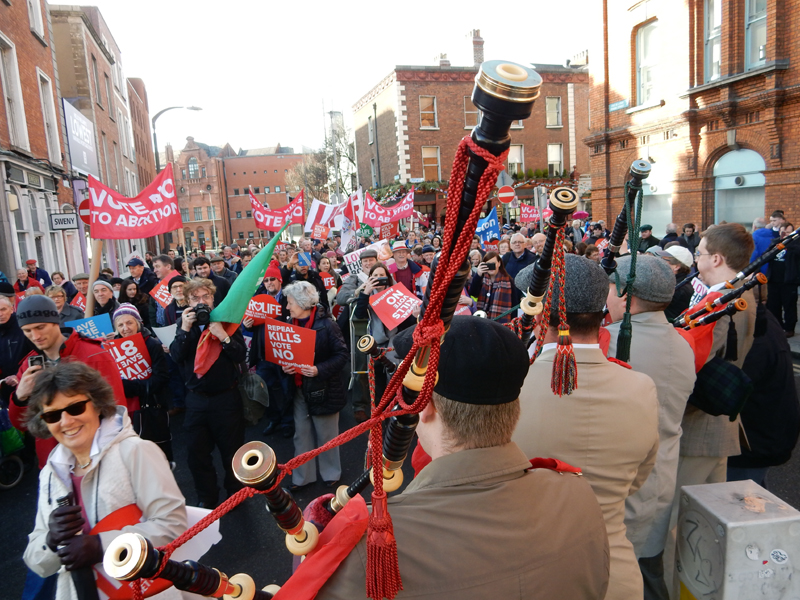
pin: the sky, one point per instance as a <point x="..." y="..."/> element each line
<point x="267" y="72"/>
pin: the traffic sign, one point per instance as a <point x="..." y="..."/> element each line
<point x="84" y="212"/>
<point x="505" y="194"/>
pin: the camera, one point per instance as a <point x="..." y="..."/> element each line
<point x="383" y="281"/>
<point x="36" y="360"/>
<point x="490" y="266"/>
<point x="203" y="314"/>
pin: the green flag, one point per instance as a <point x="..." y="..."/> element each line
<point x="365" y="230"/>
<point x="231" y="310"/>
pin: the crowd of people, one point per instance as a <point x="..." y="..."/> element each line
<point x="635" y="431"/>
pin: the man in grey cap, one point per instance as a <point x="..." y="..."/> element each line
<point x="657" y="350"/>
<point x="81" y="281"/>
<point x="608" y="425"/>
<point x="347" y="292"/>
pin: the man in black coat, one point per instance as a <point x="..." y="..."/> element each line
<point x="784" y="277"/>
<point x="203" y="268"/>
<point x="214" y="411"/>
<point x="293" y="271"/>
<point x="142" y="276"/>
<point x="14" y="346"/>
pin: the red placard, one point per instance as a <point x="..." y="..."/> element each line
<point x="491" y="247"/>
<point x="328" y="279"/>
<point x="261" y="307"/>
<point x="394" y="305"/>
<point x="601" y="244"/>
<point x="160" y="293"/>
<point x="463" y="309"/>
<point x="20" y="297"/>
<point x="320" y="232"/>
<point x="389" y="230"/>
<point x="79" y="301"/>
<point x="288" y="345"/>
<point x="528" y="213"/>
<point x="131" y="356"/>
<point x="547" y="213"/>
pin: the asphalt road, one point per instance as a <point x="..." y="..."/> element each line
<point x="251" y="541"/>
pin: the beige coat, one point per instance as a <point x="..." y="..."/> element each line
<point x="703" y="434"/>
<point x="608" y="427"/>
<point x="659" y="351"/>
<point x="475" y="525"/>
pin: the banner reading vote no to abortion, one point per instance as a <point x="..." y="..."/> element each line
<point x="155" y="210"/>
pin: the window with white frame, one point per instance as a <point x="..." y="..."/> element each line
<point x="373" y="171"/>
<point x="370" y="130"/>
<point x="646" y="63"/>
<point x="35" y="16"/>
<point x="554" y="160"/>
<point x="184" y="214"/>
<point x="49" y="117"/>
<point x="713" y="47"/>
<point x="427" y="112"/>
<point x="123" y="139"/>
<point x="430" y="163"/>
<point x="198" y="213"/>
<point x="249" y="214"/>
<point x="194" y="168"/>
<point x="516" y="160"/>
<point x="12" y="94"/>
<point x="277" y="189"/>
<point x="109" y="97"/>
<point x="212" y="214"/>
<point x="553" y="111"/>
<point x="126" y="131"/>
<point x="517" y="124"/>
<point x="755" y="38"/>
<point x="471" y="113"/>
<point x="19" y="210"/>
<point x="238" y="214"/>
<point x="266" y="189"/>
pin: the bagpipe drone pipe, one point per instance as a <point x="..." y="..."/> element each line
<point x="504" y="92"/>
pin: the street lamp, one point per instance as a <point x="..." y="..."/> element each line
<point x="155" y="139"/>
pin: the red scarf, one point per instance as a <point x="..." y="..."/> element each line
<point x="298" y="376"/>
<point x="209" y="349"/>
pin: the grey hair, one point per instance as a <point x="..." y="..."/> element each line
<point x="69" y="378"/>
<point x="303" y="293"/>
<point x="672" y="228"/>
<point x="759" y="223"/>
<point x="54" y="290"/>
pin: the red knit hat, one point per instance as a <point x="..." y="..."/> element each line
<point x="273" y="271"/>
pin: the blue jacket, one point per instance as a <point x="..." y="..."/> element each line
<point x="763" y="240"/>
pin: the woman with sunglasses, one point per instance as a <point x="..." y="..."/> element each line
<point x="101" y="466"/>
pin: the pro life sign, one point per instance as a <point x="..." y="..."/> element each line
<point x="62" y="222"/>
<point x="288" y="345"/>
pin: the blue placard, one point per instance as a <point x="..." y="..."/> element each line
<point x="304" y="259"/>
<point x="94" y="327"/>
<point x="489" y="228"/>
<point x="618" y="105"/>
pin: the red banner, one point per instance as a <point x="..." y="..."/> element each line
<point x="394" y="305"/>
<point x="287" y="345"/>
<point x="328" y="279"/>
<point x="160" y="293"/>
<point x="528" y="213"/>
<point x="376" y="215"/>
<point x="389" y="230"/>
<point x="261" y="307"/>
<point x="274" y="220"/>
<point x="320" y="232"/>
<point x="79" y="301"/>
<point x="153" y="211"/>
<point x="131" y="355"/>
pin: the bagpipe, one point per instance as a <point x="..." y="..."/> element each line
<point x="690" y="320"/>
<point x="504" y="92"/>
<point x="730" y="309"/>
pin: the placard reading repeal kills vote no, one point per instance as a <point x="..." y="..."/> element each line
<point x="130" y="354"/>
<point x="288" y="345"/>
<point x="394" y="305"/>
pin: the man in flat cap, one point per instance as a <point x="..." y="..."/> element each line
<point x="608" y="425"/>
<point x="648" y="239"/>
<point x="657" y="350"/>
<point x="477" y="522"/>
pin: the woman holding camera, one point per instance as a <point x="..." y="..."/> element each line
<point x="98" y="467"/>
<point x="318" y="391"/>
<point x="493" y="288"/>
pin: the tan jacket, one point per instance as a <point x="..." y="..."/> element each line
<point x="704" y="435"/>
<point x="659" y="351"/>
<point x="608" y="427"/>
<point x="476" y="525"/>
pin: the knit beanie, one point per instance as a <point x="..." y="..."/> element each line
<point x="37" y="309"/>
<point x="127" y="309"/>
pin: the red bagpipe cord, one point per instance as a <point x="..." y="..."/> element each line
<point x="383" y="573"/>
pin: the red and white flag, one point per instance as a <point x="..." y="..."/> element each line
<point x="349" y="224"/>
<point x="376" y="215"/>
<point x="116" y="217"/>
<point x="274" y="220"/>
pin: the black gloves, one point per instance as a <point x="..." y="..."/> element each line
<point x="65" y="522"/>
<point x="81" y="551"/>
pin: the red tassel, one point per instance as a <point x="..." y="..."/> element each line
<point x="383" y="570"/>
<point x="565" y="371"/>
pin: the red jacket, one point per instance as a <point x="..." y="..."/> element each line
<point x="31" y="282"/>
<point x="89" y="352"/>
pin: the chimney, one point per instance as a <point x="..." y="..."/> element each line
<point x="443" y="62"/>
<point x="477" y="47"/>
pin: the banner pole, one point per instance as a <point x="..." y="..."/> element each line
<point x="94" y="272"/>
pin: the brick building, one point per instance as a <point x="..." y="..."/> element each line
<point x="142" y="139"/>
<point x="706" y="90"/>
<point x="31" y="143"/>
<point x="407" y="127"/>
<point x="93" y="82"/>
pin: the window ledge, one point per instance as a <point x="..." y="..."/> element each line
<point x="554" y="127"/>
<point x="641" y="107"/>
<point x="517" y="127"/>
<point x="21" y="150"/>
<point x="429" y="128"/>
<point x="776" y="65"/>
<point x="39" y="37"/>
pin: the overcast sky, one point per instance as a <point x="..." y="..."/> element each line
<point x="264" y="71"/>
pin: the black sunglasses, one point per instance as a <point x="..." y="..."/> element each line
<point x="74" y="409"/>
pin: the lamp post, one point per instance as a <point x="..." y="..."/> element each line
<point x="155" y="139"/>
